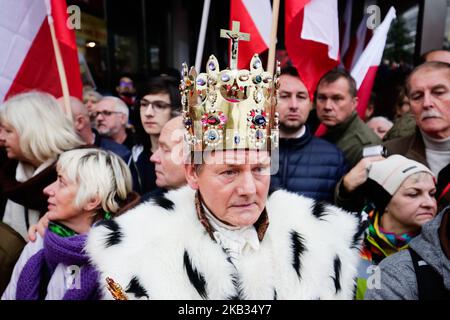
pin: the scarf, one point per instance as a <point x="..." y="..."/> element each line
<point x="379" y="244"/>
<point x="57" y="249"/>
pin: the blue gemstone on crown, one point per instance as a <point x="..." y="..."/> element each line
<point x="212" y="135"/>
<point x="259" y="120"/>
<point x="257" y="79"/>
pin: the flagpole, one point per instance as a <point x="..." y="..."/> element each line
<point x="273" y="37"/>
<point x="201" y="37"/>
<point x="59" y="61"/>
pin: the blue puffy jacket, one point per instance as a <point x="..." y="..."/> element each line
<point x="309" y="166"/>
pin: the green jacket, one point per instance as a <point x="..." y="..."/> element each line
<point x="351" y="137"/>
<point x="403" y="127"/>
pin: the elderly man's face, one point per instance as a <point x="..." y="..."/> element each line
<point x="235" y="189"/>
<point x="430" y="101"/>
<point x="108" y="120"/>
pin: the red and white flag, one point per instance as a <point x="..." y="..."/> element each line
<point x="255" y="17"/>
<point x="27" y="58"/>
<point x="359" y="41"/>
<point x="312" y="38"/>
<point x="366" y="68"/>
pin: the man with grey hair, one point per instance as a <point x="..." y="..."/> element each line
<point x="428" y="88"/>
<point x="111" y="118"/>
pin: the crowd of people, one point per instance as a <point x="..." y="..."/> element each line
<point x="361" y="212"/>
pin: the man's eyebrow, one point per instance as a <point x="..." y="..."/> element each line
<point x="439" y="86"/>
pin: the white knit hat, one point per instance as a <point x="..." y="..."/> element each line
<point x="391" y="172"/>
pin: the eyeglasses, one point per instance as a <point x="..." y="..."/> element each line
<point x="157" y="106"/>
<point x="105" y="113"/>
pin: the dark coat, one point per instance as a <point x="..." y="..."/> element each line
<point x="309" y="166"/>
<point x="110" y="145"/>
<point x="411" y="147"/>
<point x="29" y="193"/>
<point x="142" y="170"/>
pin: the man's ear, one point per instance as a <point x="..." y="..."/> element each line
<point x="124" y="119"/>
<point x="191" y="176"/>
<point x="355" y="102"/>
<point x="92" y="204"/>
<point x="79" y="122"/>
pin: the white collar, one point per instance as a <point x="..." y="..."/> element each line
<point x="25" y="171"/>
<point x="234" y="240"/>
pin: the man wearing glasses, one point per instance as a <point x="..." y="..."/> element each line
<point x="111" y="118"/>
<point x="159" y="102"/>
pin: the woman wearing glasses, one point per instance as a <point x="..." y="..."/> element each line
<point x="159" y="102"/>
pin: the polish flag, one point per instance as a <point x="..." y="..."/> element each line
<point x="27" y="58"/>
<point x="312" y="38"/>
<point x="366" y="68"/>
<point x="255" y="17"/>
<point x="360" y="41"/>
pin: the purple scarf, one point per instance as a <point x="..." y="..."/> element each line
<point x="66" y="250"/>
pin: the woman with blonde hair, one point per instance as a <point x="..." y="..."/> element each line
<point x="36" y="131"/>
<point x="92" y="186"/>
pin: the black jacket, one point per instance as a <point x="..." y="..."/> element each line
<point x="309" y="166"/>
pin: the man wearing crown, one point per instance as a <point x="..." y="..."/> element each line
<point x="225" y="236"/>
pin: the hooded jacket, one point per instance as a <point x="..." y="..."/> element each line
<point x="397" y="279"/>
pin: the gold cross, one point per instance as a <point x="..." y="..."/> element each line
<point x="234" y="35"/>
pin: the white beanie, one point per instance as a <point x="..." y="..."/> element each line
<point x="391" y="172"/>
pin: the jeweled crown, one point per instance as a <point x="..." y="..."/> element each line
<point x="230" y="108"/>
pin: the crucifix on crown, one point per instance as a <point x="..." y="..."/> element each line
<point x="234" y="35"/>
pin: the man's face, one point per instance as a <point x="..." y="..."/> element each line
<point x="155" y="112"/>
<point x="233" y="184"/>
<point x="334" y="102"/>
<point x="168" y="158"/>
<point x="430" y="101"/>
<point x="293" y="104"/>
<point x="108" y="120"/>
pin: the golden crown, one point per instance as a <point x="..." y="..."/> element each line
<point x="230" y="108"/>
